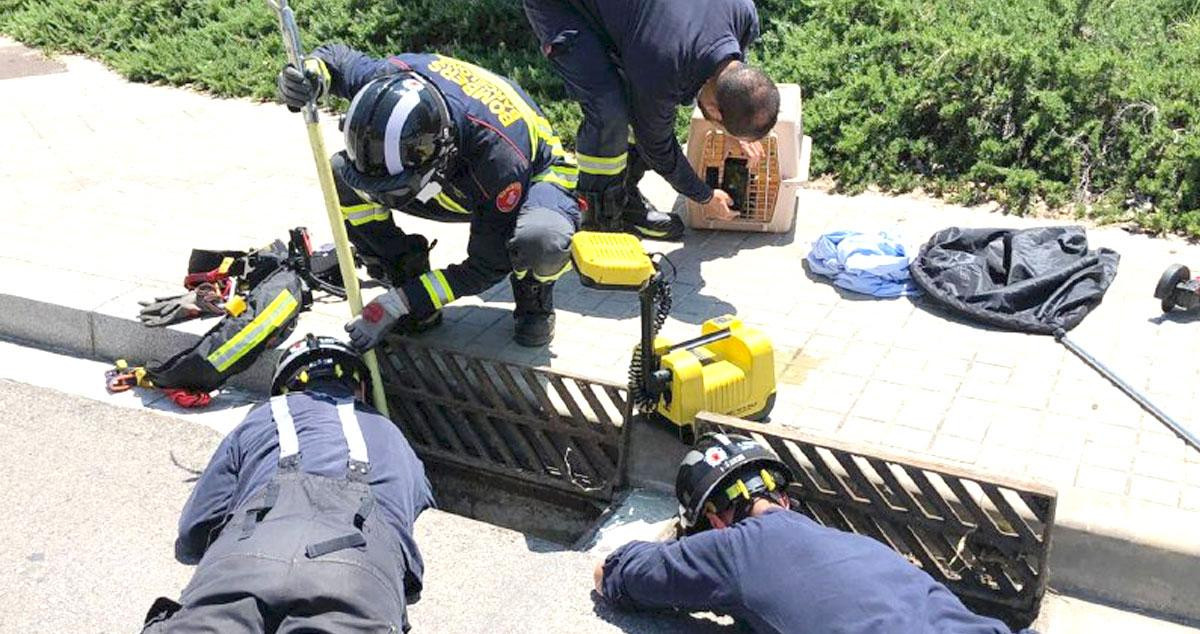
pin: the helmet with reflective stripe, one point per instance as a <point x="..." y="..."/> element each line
<point x="315" y="358"/>
<point x="721" y="470"/>
<point x="398" y="136"/>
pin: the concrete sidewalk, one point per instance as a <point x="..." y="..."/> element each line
<point x="109" y="184"/>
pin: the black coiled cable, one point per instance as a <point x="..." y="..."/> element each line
<point x="643" y="400"/>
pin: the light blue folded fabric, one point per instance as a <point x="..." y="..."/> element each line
<point x="871" y="264"/>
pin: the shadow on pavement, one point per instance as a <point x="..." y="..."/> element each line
<point x="659" y="622"/>
<point x="1175" y="317"/>
<point x="691" y="304"/>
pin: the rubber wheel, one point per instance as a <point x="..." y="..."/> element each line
<point x="1175" y="275"/>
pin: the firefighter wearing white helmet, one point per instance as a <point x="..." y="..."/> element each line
<point x="745" y="553"/>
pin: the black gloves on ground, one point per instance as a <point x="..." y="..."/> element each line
<point x="205" y="300"/>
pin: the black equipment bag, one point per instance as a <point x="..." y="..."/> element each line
<point x="1036" y="280"/>
<point x="237" y="341"/>
<point x="250" y="266"/>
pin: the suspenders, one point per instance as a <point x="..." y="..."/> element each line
<point x="357" y="466"/>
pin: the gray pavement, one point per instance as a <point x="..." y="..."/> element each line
<point x="92" y="493"/>
<point x="93" y="490"/>
<point x="115" y="182"/>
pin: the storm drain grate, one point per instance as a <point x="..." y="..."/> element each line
<point x="985" y="539"/>
<point x="533" y="425"/>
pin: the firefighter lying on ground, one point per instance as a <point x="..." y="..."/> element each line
<point x="770" y="567"/>
<point x="634" y="62"/>
<point x="442" y="139"/>
<point x="303" y="519"/>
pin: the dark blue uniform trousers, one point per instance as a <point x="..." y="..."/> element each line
<point x="593" y="78"/>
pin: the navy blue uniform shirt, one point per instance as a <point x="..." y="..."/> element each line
<point x="248" y="457"/>
<point x="668" y="49"/>
<point x="782" y="572"/>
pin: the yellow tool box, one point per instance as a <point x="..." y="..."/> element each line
<point x="729" y="369"/>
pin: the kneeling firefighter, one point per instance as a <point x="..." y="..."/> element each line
<point x="303" y="519"/>
<point x="745" y="553"/>
<point x="442" y="139"/>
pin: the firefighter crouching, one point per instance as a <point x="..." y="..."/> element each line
<point x="443" y="139"/>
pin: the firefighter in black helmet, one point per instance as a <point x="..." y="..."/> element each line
<point x="303" y="519"/>
<point x="439" y="138"/>
<point x="770" y="567"/>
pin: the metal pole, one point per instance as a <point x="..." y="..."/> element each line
<point x="291" y="43"/>
<point x="1179" y="430"/>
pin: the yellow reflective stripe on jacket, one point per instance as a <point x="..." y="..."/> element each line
<point x="546" y="133"/>
<point x="565" y="176"/>
<point x="604" y="165"/>
<point x="448" y="203"/>
<point x="362" y="214"/>
<point x="274" y="316"/>
<point x="438" y="288"/>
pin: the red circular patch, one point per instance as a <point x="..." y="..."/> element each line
<point x="509" y="198"/>
<point x="372" y="313"/>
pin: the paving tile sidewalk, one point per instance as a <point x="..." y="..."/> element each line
<point x="108" y="185"/>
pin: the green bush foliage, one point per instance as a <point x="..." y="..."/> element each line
<point x="1087" y="103"/>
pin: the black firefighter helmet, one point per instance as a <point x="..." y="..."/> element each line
<point x="720" y="471"/>
<point x="398" y="137"/>
<point x="316" y="358"/>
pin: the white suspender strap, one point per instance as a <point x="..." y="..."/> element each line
<point x="289" y="445"/>
<point x="353" y="433"/>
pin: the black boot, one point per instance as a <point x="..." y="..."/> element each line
<point x="534" y="313"/>
<point x="602" y="209"/>
<point x="638" y="216"/>
<point x="614" y="209"/>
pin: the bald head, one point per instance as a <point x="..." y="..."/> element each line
<point x="748" y="101"/>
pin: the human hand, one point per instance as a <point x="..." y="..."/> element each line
<point x="297" y="88"/>
<point x="377" y="318"/>
<point x="598" y="577"/>
<point x="754" y="152"/>
<point x="720" y="207"/>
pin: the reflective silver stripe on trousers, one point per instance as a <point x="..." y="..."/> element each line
<point x="289" y="444"/>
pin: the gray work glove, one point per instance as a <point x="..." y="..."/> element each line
<point x="377" y="318"/>
<point x="203" y="300"/>
<point x="297" y="88"/>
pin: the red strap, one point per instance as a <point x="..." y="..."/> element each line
<point x="188" y="398"/>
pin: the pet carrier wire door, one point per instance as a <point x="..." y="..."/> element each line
<point x="765" y="195"/>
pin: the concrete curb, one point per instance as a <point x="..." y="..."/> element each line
<point x="1140" y="569"/>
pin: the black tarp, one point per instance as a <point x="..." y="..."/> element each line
<point x="1030" y="280"/>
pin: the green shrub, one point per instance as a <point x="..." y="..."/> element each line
<point x="1091" y="103"/>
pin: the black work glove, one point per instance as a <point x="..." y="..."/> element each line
<point x="204" y="300"/>
<point x="299" y="87"/>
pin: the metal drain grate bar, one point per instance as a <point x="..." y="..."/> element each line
<point x="987" y="539"/>
<point x="537" y="426"/>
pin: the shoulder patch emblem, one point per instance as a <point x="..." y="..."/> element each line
<point x="509" y="197"/>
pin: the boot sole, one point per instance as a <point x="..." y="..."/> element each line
<point x="653" y="234"/>
<point x="527" y="342"/>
